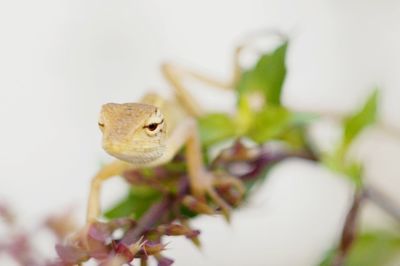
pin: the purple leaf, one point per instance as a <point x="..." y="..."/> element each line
<point x="123" y="250"/>
<point x="71" y="254"/>
<point x="100" y="232"/>
<point x="163" y="261"/>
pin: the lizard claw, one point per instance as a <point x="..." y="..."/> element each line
<point x="224" y="191"/>
<point x="223" y="205"/>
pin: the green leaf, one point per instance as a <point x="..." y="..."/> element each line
<point x="295" y="138"/>
<point x="269" y="123"/>
<point x="371" y="249"/>
<point x="266" y="77"/>
<point x="367" y="115"/>
<point x="301" y="119"/>
<point x="275" y="122"/>
<point x="337" y="163"/>
<point x="352" y="127"/>
<point x="216" y="127"/>
<point x="137" y="202"/>
<point x="187" y="213"/>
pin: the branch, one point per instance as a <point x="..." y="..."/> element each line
<point x="349" y="231"/>
<point x="339" y="116"/>
<point x="382" y="201"/>
<point x="154" y="214"/>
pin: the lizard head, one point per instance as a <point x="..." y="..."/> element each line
<point x="133" y="132"/>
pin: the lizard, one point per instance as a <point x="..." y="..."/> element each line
<point x="151" y="132"/>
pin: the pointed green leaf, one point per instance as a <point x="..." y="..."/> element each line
<point x="350" y="169"/>
<point x="266" y="77"/>
<point x="367" y="115"/>
<point x="269" y="123"/>
<point x="275" y="122"/>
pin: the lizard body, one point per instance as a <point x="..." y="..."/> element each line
<point x="151" y="133"/>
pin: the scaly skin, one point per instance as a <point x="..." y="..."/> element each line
<point x="151" y="133"/>
<point x="143" y="135"/>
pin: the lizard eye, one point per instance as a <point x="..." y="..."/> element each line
<point x="152" y="126"/>
<point x="101" y="126"/>
<point x="152" y="129"/>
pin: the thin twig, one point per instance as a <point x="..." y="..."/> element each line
<point x="349" y="231"/>
<point x="340" y="116"/>
<point x="383" y="202"/>
<point x="266" y="158"/>
<point x="154" y="214"/>
<point x="143" y="261"/>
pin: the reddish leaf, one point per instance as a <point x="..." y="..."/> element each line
<point x="123" y="250"/>
<point x="100" y="232"/>
<point x="71" y="254"/>
<point x="163" y="261"/>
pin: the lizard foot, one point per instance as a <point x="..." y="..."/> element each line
<point x="224" y="191"/>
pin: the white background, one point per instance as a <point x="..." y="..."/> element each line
<point x="60" y="60"/>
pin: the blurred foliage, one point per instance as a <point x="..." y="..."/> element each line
<point x="149" y="185"/>
<point x="378" y="248"/>
<point x="266" y="77"/>
<point x="138" y="201"/>
<point x="353" y="126"/>
<point x="216" y="127"/>
<point x="274" y="122"/>
<point x="261" y="117"/>
<point x="270" y="121"/>
<point x="356" y="123"/>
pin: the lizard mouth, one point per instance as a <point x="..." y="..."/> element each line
<point x="139" y="157"/>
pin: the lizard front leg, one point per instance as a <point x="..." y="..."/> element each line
<point x="115" y="168"/>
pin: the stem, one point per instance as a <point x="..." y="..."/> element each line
<point x="154" y="214"/>
<point x="382" y="201"/>
<point x="339" y="116"/>
<point x="143" y="261"/>
<point x="267" y="158"/>
<point x="349" y="231"/>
